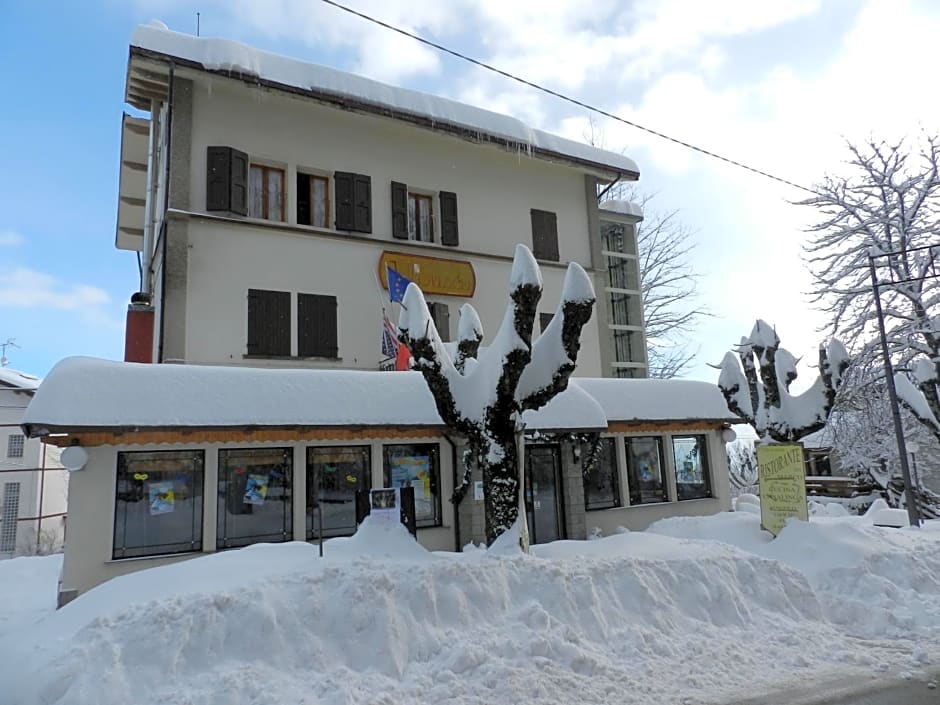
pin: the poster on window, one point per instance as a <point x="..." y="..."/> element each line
<point x="413" y="471"/>
<point x="690" y="471"/>
<point x="256" y="489"/>
<point x="162" y="497"/>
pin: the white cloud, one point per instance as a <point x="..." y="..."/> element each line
<point x="27" y="288"/>
<point x="9" y="238"/>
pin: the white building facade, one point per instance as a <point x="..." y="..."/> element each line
<point x="33" y="484"/>
<point x="267" y="197"/>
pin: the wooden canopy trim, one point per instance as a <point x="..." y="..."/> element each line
<point x="120" y="437"/>
<point x="665" y="426"/>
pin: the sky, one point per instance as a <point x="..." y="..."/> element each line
<point x="780" y="86"/>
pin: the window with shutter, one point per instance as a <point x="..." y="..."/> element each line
<point x="544" y="235"/>
<point x="313" y="200"/>
<point x="269" y="323"/>
<point x="316" y="326"/>
<point x="440" y="314"/>
<point x="266" y="192"/>
<point x="353" y="202"/>
<point x="449" y="234"/>
<point x="343" y="182"/>
<point x="362" y="190"/>
<point x="226" y="180"/>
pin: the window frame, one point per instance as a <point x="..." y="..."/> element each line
<point x="434" y="480"/>
<point x="265" y="195"/>
<point x="16" y="445"/>
<point x="634" y="489"/>
<point x="310" y="507"/>
<point x="313" y="176"/>
<point x="702" y="441"/>
<point x="414" y="197"/>
<point x="616" y="499"/>
<point x="224" y="539"/>
<point x="197" y="457"/>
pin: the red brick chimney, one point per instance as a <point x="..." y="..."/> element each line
<point x="138" y="334"/>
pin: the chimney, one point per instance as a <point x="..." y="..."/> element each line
<point x="138" y="335"/>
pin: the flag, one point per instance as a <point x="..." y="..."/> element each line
<point x="390" y="342"/>
<point x="396" y="284"/>
<point x="403" y="359"/>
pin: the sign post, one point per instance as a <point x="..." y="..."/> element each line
<point x="782" y="485"/>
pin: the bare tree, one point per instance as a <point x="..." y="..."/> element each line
<point x="887" y="205"/>
<point x="760" y="394"/>
<point x="482" y="394"/>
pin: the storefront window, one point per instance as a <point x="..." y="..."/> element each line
<point x="601" y="486"/>
<point x="334" y="475"/>
<point x="254" y="503"/>
<point x="416" y="465"/>
<point x="158" y="503"/>
<point x="645" y="470"/>
<point x="692" y="480"/>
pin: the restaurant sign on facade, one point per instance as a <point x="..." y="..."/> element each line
<point x="435" y="275"/>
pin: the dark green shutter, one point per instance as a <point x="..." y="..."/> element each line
<point x="239" y="183"/>
<point x="544" y="235"/>
<point x="226" y="180"/>
<point x="269" y="323"/>
<point x="440" y="314"/>
<point x="316" y="326"/>
<point x="449" y="219"/>
<point x="399" y="210"/>
<point x="362" y="201"/>
<point x="304" y="209"/>
<point x="343" y="183"/>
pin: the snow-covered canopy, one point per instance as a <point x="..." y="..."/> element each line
<point x="226" y="55"/>
<point x="657" y="399"/>
<point x="87" y="393"/>
<point x="622" y="206"/>
<point x="18" y="380"/>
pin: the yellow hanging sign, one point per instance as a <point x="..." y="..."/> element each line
<point x="434" y="275"/>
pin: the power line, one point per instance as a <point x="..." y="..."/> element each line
<point x="566" y="98"/>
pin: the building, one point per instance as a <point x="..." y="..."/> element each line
<point x="181" y="460"/>
<point x="33" y="484"/>
<point x="266" y="197"/>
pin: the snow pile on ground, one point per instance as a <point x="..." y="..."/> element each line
<point x="690" y="611"/>
<point x="27" y="591"/>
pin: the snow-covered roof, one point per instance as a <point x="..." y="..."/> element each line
<point x="320" y="81"/>
<point x="657" y="399"/>
<point x="624" y="207"/>
<point x="18" y="380"/>
<point x="83" y="393"/>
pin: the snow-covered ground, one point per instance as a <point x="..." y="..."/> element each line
<point x="694" y="610"/>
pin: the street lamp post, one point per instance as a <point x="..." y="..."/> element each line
<point x="910" y="496"/>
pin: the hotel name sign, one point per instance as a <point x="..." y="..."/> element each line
<point x="434" y="275"/>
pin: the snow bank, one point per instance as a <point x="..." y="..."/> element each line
<point x="696" y="608"/>
<point x="27" y="590"/>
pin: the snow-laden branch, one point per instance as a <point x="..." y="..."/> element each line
<point x="760" y="393"/>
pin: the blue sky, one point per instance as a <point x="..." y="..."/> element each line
<point x="775" y="84"/>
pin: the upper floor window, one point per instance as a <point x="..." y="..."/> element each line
<point x="15" y="444"/>
<point x="413" y="215"/>
<point x="313" y="200"/>
<point x="266" y="192"/>
<point x="544" y="235"/>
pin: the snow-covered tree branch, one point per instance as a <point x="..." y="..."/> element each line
<point x="481" y="392"/>
<point x="760" y="394"/>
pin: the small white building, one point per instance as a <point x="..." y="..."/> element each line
<point x="33" y="485"/>
<point x="189" y="459"/>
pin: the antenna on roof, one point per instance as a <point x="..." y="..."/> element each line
<point x="197" y="24"/>
<point x="3" y="351"/>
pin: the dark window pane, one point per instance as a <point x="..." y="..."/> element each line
<point x="621" y="273"/>
<point x="691" y="456"/>
<point x="620" y="309"/>
<point x="254" y="503"/>
<point x="416" y="465"/>
<point x="334" y="475"/>
<point x="612" y="237"/>
<point x="601" y="483"/>
<point x="645" y="470"/>
<point x="158" y="503"/>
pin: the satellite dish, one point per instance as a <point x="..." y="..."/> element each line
<point x="74" y="458"/>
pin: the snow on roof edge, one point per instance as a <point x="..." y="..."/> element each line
<point x="15" y="379"/>
<point x="622" y="206"/>
<point x="226" y="54"/>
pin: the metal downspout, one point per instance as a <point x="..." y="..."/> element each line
<point x="166" y="204"/>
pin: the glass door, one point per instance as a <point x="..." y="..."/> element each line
<point x="544" y="507"/>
